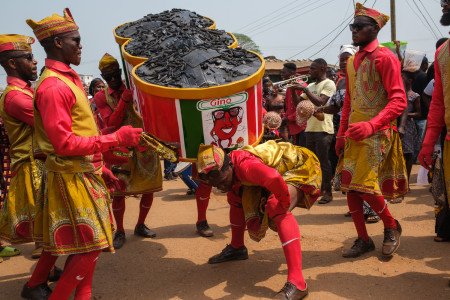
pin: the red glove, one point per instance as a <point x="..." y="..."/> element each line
<point x="360" y="131"/>
<point x="112" y="182"/>
<point x="113" y="159"/>
<point x="427" y="150"/>
<point x="127" y="95"/>
<point x="128" y="136"/>
<point x="340" y="145"/>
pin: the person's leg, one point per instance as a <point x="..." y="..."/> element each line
<point x="408" y="162"/>
<point x="333" y="157"/>
<point x="202" y="196"/>
<point x="144" y="207"/>
<point x="310" y="141"/>
<point x="84" y="289"/>
<point x="289" y="234"/>
<point x="45" y="264"/>
<point x="118" y="208"/>
<point x="322" y="148"/>
<point x="380" y="207"/>
<point x="78" y="269"/>
<point x="236" y="250"/>
<point x="355" y="205"/>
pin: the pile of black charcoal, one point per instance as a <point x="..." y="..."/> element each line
<point x="183" y="53"/>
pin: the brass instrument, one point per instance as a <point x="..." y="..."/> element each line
<point x="290" y="82"/>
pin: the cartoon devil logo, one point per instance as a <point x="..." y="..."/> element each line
<point x="226" y="122"/>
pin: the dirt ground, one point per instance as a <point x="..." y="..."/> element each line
<point x="174" y="264"/>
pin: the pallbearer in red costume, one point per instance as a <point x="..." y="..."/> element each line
<point x="141" y="174"/>
<point x="264" y="183"/>
<point x="72" y="212"/>
<point x="374" y="167"/>
<point x="16" y="110"/>
<point x="438" y="117"/>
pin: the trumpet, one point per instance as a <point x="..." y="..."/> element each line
<point x="290" y="82"/>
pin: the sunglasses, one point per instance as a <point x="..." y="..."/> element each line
<point x="28" y="56"/>
<point x="77" y="40"/>
<point x="110" y="76"/>
<point x="220" y="113"/>
<point x="359" y="26"/>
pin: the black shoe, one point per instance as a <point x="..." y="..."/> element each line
<point x="229" y="253"/>
<point x="40" y="292"/>
<point x="391" y="240"/>
<point x="359" y="247"/>
<point x="203" y="229"/>
<point x="54" y="274"/>
<point x="119" y="239"/>
<point x="144" y="231"/>
<point x="291" y="292"/>
<point x="174" y="175"/>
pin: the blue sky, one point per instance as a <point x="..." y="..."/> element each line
<point x="281" y="28"/>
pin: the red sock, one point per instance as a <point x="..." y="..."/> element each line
<point x="237" y="222"/>
<point x="355" y="205"/>
<point x="76" y="271"/>
<point x="84" y="289"/>
<point x="202" y="197"/>
<point x="118" y="208"/>
<point x="44" y="266"/>
<point x="379" y="206"/>
<point x="144" y="207"/>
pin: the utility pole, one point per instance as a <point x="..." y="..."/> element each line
<point x="393" y="24"/>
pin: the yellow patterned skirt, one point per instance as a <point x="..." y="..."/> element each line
<point x="305" y="175"/>
<point x="17" y="213"/>
<point x="142" y="174"/>
<point x="375" y="165"/>
<point x="72" y="213"/>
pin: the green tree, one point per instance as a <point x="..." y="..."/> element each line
<point x="247" y="43"/>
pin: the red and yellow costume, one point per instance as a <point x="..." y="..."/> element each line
<point x="381" y="170"/>
<point x="373" y="167"/>
<point x="142" y="173"/>
<point x="438" y="117"/>
<point x="259" y="197"/>
<point x="16" y="109"/>
<point x="72" y="207"/>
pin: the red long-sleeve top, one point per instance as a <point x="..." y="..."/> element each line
<point x="18" y="104"/>
<point x="54" y="100"/>
<point x="112" y="118"/>
<point x="248" y="168"/>
<point x="388" y="65"/>
<point x="436" y="114"/>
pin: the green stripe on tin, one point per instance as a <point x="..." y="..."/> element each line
<point x="124" y="68"/>
<point x="192" y="127"/>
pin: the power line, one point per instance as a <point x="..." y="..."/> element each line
<point x="269" y="14"/>
<point x="278" y="24"/>
<point x="275" y="17"/>
<point x="279" y="17"/>
<point x="339" y="33"/>
<point x="431" y="18"/>
<point x="418" y="17"/>
<point x="343" y="20"/>
<point x="415" y="3"/>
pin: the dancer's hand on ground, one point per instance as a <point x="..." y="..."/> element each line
<point x="128" y="136"/>
<point x="359" y="131"/>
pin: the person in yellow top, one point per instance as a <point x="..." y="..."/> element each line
<point x="319" y="133"/>
<point x="16" y="110"/>
<point x="72" y="208"/>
